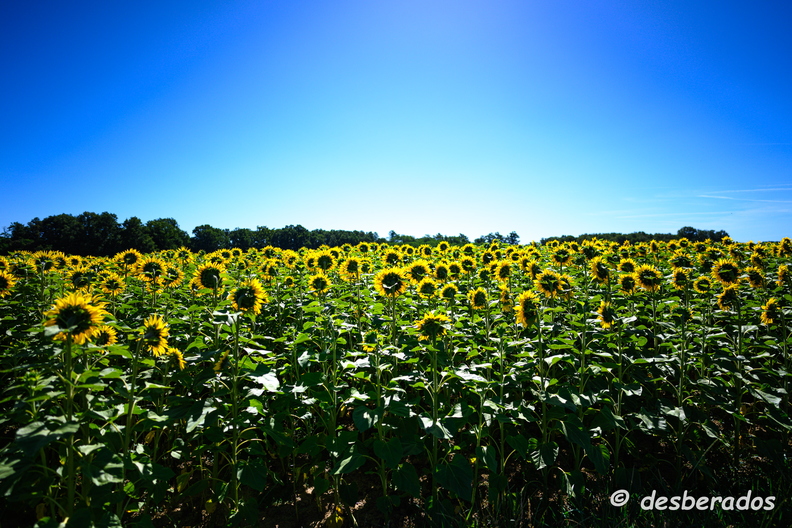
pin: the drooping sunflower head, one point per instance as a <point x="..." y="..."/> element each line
<point x="105" y="336"/>
<point x="771" y="312"/>
<point x="755" y="277"/>
<point x="527" y="308"/>
<point x="7" y="282"/>
<point x="418" y="270"/>
<point x="607" y="314"/>
<point x="432" y="326"/>
<point x="757" y="260"/>
<point x="784" y="276"/>
<point x="478" y="298"/>
<point x="427" y="287"/>
<point x="154" y="335"/>
<point x="390" y="282"/>
<point x="448" y="292"/>
<point x="729" y="297"/>
<point x="111" y="283"/>
<point x="549" y="283"/>
<point x="506" y="299"/>
<point x="680" y="278"/>
<point x="648" y="277"/>
<point x="128" y="258"/>
<point x="627" y="284"/>
<point x="151" y="269"/>
<point x="703" y="284"/>
<point x="726" y="272"/>
<point x="680" y="259"/>
<point x="77" y="315"/>
<point x="351" y="269"/>
<point x="248" y="297"/>
<point x="562" y="256"/>
<point x="600" y="271"/>
<point x="210" y="276"/>
<point x="441" y="272"/>
<point x="319" y="283"/>
<point x="784" y="248"/>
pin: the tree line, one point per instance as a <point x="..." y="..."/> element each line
<point x="691" y="233"/>
<point x="101" y="234"/>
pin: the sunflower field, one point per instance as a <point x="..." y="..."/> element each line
<point x="384" y="385"/>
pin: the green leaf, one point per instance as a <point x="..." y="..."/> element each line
<point x="486" y="455"/>
<point x="366" y="418"/>
<point x="519" y="444"/>
<point x="545" y="455"/>
<point x="456" y="477"/>
<point x="321" y="485"/>
<point x="350" y="464"/>
<point x="197" y="414"/>
<point x="575" y="432"/>
<point x="600" y="457"/>
<point x="390" y="451"/>
<point x="405" y="479"/>
<point x="252" y="473"/>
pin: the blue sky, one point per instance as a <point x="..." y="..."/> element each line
<point x="545" y="118"/>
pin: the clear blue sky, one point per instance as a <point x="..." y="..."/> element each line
<point x="542" y="117"/>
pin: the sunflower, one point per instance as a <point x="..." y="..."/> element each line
<point x="784" y="247"/>
<point x="210" y="276"/>
<point x="81" y="278"/>
<point x="680" y="260"/>
<point x="484" y="274"/>
<point x="783" y="275"/>
<point x="726" y="272"/>
<point x="680" y="278"/>
<point x="151" y="269"/>
<point x="7" y="282"/>
<point x="77" y="315"/>
<point x="755" y="277"/>
<point x="757" y="260"/>
<point x="248" y="297"/>
<point x="627" y="284"/>
<point x="269" y="269"/>
<point x="319" y="283"/>
<point x="351" y="269"/>
<point x="177" y="356"/>
<point x="449" y="291"/>
<point x="112" y="284"/>
<point x="427" y="287"/>
<point x="506" y="300"/>
<point x="771" y="312"/>
<point x="702" y="284"/>
<point x="562" y="256"/>
<point x="648" y="277"/>
<point x="549" y="283"/>
<point x="487" y="257"/>
<point x="370" y="341"/>
<point x="325" y="260"/>
<point x="607" y="314"/>
<point x="527" y="308"/>
<point x="391" y="257"/>
<point x="443" y="246"/>
<point x="478" y="298"/>
<point x="105" y="336"/>
<point x="600" y="272"/>
<point x="288" y="281"/>
<point x="728" y="298"/>
<point x="172" y="277"/>
<point x="468" y="264"/>
<point x="532" y="268"/>
<point x="681" y="315"/>
<point x="129" y="258"/>
<point x="431" y="326"/>
<point x="417" y="270"/>
<point x="154" y="335"/>
<point x="44" y="261"/>
<point x="441" y="272"/>
<point x="363" y="247"/>
<point x="454" y="268"/>
<point x="390" y="282"/>
<point x="502" y="270"/>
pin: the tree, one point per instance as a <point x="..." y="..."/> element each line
<point x="166" y="234"/>
<point x="208" y="238"/>
<point x="135" y="235"/>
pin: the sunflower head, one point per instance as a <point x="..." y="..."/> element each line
<point x="391" y="257"/>
<point x="129" y="258"/>
<point x="248" y="297"/>
<point x="726" y="272"/>
<point x="771" y="312"/>
<point x="627" y="284"/>
<point x="154" y="335"/>
<point x="600" y="272"/>
<point x="755" y="277"/>
<point x="431" y="326"/>
<point x="729" y="297"/>
<point x="648" y="277"/>
<point x="319" y="283"/>
<point x="151" y="269"/>
<point x="454" y="268"/>
<point x="607" y="314"/>
<point x="680" y="278"/>
<point x="441" y="272"/>
<point x="105" y="336"/>
<point x="77" y="315"/>
<point x="351" y="269"/>
<point x="417" y="270"/>
<point x="390" y="282"/>
<point x="784" y="276"/>
<point x="527" y="308"/>
<point x="506" y="300"/>
<point x="7" y="282"/>
<point x="112" y="284"/>
<point x="210" y="276"/>
<point x="502" y="270"/>
<point x="468" y="264"/>
<point x="703" y="284"/>
<point x="681" y="315"/>
<point x="478" y="298"/>
<point x="449" y="291"/>
<point x="680" y="259"/>
<point x="325" y="260"/>
<point x="549" y="283"/>
<point x="427" y="287"/>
